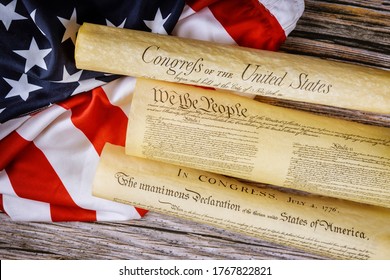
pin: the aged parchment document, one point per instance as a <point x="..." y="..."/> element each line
<point x="237" y="136"/>
<point x="334" y="228"/>
<point x="280" y="75"/>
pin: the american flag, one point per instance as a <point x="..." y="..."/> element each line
<point x="55" y="118"/>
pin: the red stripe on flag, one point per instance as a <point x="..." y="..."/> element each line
<point x="32" y="177"/>
<point x="97" y="118"/>
<point x="141" y="212"/>
<point x="61" y="213"/>
<point x="249" y="23"/>
<point x="10" y="146"/>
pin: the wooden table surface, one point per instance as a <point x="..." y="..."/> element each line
<point x="353" y="31"/>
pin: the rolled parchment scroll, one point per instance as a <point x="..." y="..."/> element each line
<point x="266" y="73"/>
<point x="334" y="228"/>
<point x="243" y="138"/>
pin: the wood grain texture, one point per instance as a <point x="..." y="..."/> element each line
<point x="351" y="31"/>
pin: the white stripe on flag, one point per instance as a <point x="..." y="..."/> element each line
<point x="120" y="91"/>
<point x="201" y="25"/>
<point x="287" y="12"/>
<point x="9" y="126"/>
<point x="37" y="124"/>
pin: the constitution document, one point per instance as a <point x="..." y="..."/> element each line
<point x="240" y="137"/>
<point x="233" y="68"/>
<point x="334" y="228"/>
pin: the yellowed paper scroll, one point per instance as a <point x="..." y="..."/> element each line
<point x="236" y="136"/>
<point x="329" y="227"/>
<point x="280" y="75"/>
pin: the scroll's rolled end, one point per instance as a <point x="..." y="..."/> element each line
<point x="89" y="40"/>
<point x="79" y="45"/>
<point x="92" y="43"/>
<point x="107" y="49"/>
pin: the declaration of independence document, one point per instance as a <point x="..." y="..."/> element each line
<point x="330" y="227"/>
<point x="237" y="136"/>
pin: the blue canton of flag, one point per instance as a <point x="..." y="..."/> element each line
<point x="37" y="46"/>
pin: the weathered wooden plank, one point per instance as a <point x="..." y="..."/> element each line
<point x="154" y="237"/>
<point x="344" y="31"/>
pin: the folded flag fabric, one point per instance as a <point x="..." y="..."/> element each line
<point x="55" y="118"/>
